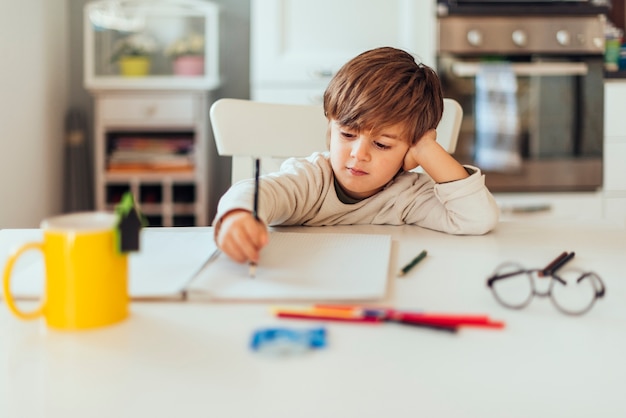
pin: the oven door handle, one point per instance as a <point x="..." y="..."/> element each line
<point x="470" y="69"/>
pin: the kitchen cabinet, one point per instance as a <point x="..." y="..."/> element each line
<point x="154" y="144"/>
<point x="297" y="46"/>
<point x="615" y="150"/>
<point x="162" y="33"/>
<point x="151" y="129"/>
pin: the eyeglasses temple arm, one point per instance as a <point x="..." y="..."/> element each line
<point x="600" y="291"/>
<point x="493" y="278"/>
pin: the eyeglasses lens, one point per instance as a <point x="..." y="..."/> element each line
<point x="575" y="297"/>
<point x="514" y="291"/>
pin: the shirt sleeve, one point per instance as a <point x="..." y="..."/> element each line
<point x="287" y="197"/>
<point x="463" y="206"/>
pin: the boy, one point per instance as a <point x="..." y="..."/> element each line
<point x="382" y="109"/>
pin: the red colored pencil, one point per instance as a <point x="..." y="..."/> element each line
<point x="347" y="313"/>
<point x="449" y="320"/>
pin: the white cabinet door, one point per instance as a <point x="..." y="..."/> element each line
<point x="615" y="164"/>
<point x="615" y="150"/>
<point x="615" y="108"/>
<point x="615" y="136"/>
<point x="304" y="43"/>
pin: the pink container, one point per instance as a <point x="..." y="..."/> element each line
<point x="189" y="65"/>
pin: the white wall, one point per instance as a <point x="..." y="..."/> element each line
<point x="33" y="102"/>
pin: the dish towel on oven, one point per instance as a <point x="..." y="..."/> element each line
<point x="497" y="122"/>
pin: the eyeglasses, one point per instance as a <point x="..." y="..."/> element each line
<point x="572" y="291"/>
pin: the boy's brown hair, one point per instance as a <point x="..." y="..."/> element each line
<point x="384" y="87"/>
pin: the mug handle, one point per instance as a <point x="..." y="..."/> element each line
<point x="7" y="283"/>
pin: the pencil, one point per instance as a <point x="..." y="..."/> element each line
<point x="448" y="328"/>
<point x="557" y="263"/>
<point x="335" y="313"/>
<point x="441" y="322"/>
<point x="255" y="208"/>
<point x="314" y="317"/>
<point x="412" y="264"/>
<point x="448" y="320"/>
<point x="562" y="262"/>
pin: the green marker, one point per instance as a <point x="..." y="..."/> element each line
<point x="412" y="264"/>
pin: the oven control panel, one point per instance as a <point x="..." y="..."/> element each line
<point x="522" y="35"/>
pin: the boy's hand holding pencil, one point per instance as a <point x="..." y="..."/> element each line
<point x="241" y="236"/>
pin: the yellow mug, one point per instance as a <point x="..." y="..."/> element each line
<point x="86" y="282"/>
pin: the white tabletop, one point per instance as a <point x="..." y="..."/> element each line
<point x="192" y="358"/>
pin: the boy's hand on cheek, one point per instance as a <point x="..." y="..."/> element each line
<point x="241" y="236"/>
<point x="419" y="150"/>
<point x="434" y="159"/>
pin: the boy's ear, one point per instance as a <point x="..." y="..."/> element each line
<point x="410" y="158"/>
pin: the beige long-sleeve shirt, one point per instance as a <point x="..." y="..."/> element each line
<point x="303" y="193"/>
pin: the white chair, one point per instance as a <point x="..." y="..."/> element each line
<point x="246" y="129"/>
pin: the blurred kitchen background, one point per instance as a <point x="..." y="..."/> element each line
<point x="44" y="103"/>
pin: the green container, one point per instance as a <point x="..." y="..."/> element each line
<point x="611" y="53"/>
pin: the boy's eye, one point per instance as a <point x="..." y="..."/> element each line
<point x="347" y="134"/>
<point x="380" y="145"/>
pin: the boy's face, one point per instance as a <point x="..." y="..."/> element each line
<point x="363" y="164"/>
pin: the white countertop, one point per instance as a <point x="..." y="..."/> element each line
<point x="192" y="358"/>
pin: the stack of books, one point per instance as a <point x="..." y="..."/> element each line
<point x="150" y="154"/>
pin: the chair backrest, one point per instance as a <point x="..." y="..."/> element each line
<point x="246" y="129"/>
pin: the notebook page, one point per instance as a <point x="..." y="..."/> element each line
<point x="298" y="266"/>
<point x="167" y="261"/>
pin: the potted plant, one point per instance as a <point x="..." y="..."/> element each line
<point x="187" y="54"/>
<point x="133" y="54"/>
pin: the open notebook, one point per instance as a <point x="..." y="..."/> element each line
<point x="297" y="266"/>
<point x="173" y="261"/>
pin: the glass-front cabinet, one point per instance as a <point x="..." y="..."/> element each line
<point x="151" y="67"/>
<point x="151" y="44"/>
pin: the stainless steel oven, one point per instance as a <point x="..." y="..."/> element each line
<point x="531" y="88"/>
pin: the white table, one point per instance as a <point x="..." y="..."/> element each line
<point x="191" y="359"/>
